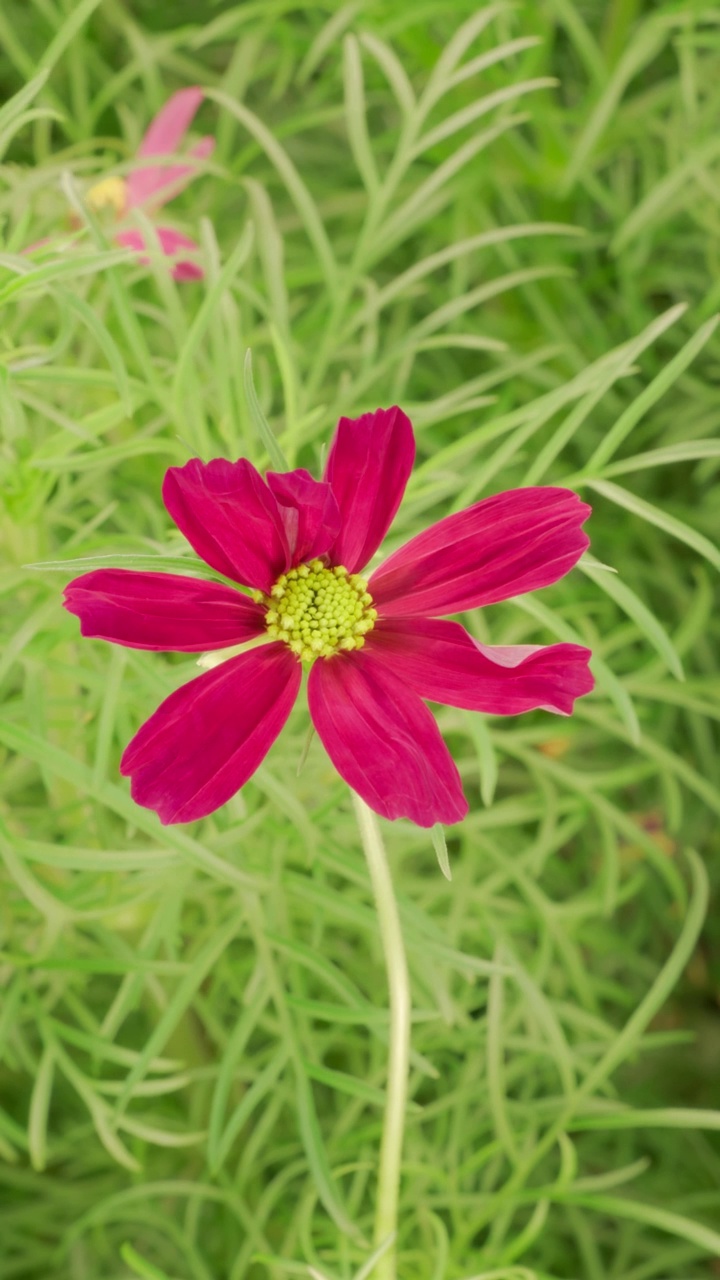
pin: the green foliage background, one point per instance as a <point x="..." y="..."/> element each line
<point x="506" y="220"/>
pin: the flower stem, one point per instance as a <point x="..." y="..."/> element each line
<point x="399" y="1049"/>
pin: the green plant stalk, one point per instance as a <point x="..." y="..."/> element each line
<point x="399" y="1048"/>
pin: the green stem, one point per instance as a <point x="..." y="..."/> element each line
<point x="399" y="1049"/>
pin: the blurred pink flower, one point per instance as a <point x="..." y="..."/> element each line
<point x="376" y="650"/>
<point x="150" y="185"/>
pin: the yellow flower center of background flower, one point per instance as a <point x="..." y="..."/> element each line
<point x="108" y="194"/>
<point x="319" y="611"/>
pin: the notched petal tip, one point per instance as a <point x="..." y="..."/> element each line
<point x="503" y="546"/>
<point x="368" y="467"/>
<point x="443" y="663"/>
<point x="384" y="741"/>
<point x="207" y="739"/>
<point x="309" y="513"/>
<point x="230" y="517"/>
<point x="161" y="611"/>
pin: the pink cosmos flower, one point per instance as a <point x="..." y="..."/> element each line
<point x="150" y="185"/>
<point x="376" y="650"/>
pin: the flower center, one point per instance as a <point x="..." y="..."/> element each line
<point x="108" y="194"/>
<point x="319" y="611"/>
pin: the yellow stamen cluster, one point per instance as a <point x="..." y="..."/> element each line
<point x="108" y="194"/>
<point x="319" y="611"/>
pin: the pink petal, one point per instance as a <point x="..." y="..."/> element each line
<point x="230" y="518"/>
<point x="161" y="611"/>
<point x="205" y="740"/>
<point x="203" y="148"/>
<point x="441" y="662"/>
<point x="187" y="271"/>
<point x="171" y="243"/>
<point x="164" y="137"/>
<point x="309" y="512"/>
<point x="503" y="546"/>
<point x="383" y="740"/>
<point x="160" y="183"/>
<point x="171" y="123"/>
<point x="368" y="467"/>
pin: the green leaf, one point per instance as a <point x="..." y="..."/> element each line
<point x="345" y="1083"/>
<point x="437" y="835"/>
<point x="651" y="1215"/>
<point x="260" y="422"/>
<point x="630" y="603"/>
<point x="356" y="115"/>
<point x="304" y="203"/>
<point x="140" y="1266"/>
<point x="661" y="519"/>
<point x="650" y="395"/>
